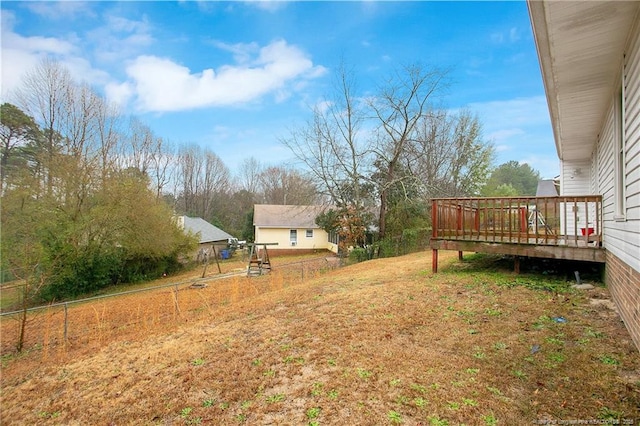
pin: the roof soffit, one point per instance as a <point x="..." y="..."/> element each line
<point x="580" y="47"/>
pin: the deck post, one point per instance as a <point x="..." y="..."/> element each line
<point x="460" y="255"/>
<point x="516" y="264"/>
<point x="434" y="261"/>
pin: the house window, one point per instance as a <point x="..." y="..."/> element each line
<point x="334" y="238"/>
<point x="619" y="160"/>
<point x="293" y="236"/>
<point x="309" y="233"/>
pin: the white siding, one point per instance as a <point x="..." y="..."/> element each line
<point x="622" y="238"/>
<point x="632" y="133"/>
<point x="606" y="175"/>
<point x="319" y="241"/>
<point x="575" y="180"/>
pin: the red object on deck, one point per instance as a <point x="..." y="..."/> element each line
<point x="584" y="231"/>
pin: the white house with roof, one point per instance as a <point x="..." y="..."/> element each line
<point x="293" y="228"/>
<point x="589" y="54"/>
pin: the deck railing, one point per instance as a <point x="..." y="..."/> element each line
<point x="556" y="221"/>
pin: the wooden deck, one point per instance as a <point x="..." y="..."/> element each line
<point x="549" y="227"/>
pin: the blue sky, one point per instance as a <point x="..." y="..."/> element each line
<point x="236" y="77"/>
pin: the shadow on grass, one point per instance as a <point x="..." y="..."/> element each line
<point x="555" y="275"/>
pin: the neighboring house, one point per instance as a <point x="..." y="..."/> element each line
<point x="208" y="235"/>
<point x="547" y="188"/>
<point x="294" y="228"/>
<point x="590" y="59"/>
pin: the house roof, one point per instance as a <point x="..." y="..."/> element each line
<point x="279" y="216"/>
<point x="547" y="188"/>
<point x="580" y="47"/>
<point x="205" y="231"/>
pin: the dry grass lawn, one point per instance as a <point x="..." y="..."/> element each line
<point x="380" y="342"/>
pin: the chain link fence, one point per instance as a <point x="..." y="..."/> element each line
<point x="98" y="320"/>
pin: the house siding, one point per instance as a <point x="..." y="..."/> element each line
<point x="281" y="236"/>
<point x="632" y="134"/>
<point x="575" y="177"/>
<point x="575" y="180"/>
<point x="622" y="237"/>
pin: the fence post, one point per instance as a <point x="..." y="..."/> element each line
<point x="66" y="320"/>
<point x="175" y="299"/>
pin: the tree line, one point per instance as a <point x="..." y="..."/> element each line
<point x="89" y="194"/>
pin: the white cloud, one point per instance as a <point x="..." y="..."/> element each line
<point x="514" y="35"/>
<point x="11" y="40"/>
<point x="31" y="50"/>
<point x="119" y="94"/>
<point x="159" y="84"/>
<point x="23" y="53"/>
<point x="500" y="37"/>
<point x="503" y="134"/>
<point x="60" y="9"/>
<point x="497" y="38"/>
<point x="521" y="131"/>
<point x="323" y="106"/>
<point x="11" y="76"/>
<point x="547" y="165"/>
<point x="507" y="114"/>
<point x="268" y="5"/>
<point x="242" y="52"/>
<point x="120" y="38"/>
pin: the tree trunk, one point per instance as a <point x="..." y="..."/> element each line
<point x="382" y="222"/>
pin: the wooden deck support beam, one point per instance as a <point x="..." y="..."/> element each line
<point x="434" y="261"/>
<point x="587" y="254"/>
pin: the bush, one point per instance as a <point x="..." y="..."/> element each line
<point x="83" y="273"/>
<point x="144" y="268"/>
<point x="88" y="272"/>
<point x="410" y="241"/>
<point x="360" y="254"/>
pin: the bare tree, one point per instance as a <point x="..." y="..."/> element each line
<point x="202" y="176"/>
<point x="448" y="155"/>
<point x="216" y="182"/>
<point x="69" y="115"/>
<point x="44" y="96"/>
<point x="330" y="145"/>
<point x="80" y="121"/>
<point x="110" y="137"/>
<point x="139" y="149"/>
<point x="249" y="175"/>
<point x="287" y="187"/>
<point x="398" y="109"/>
<point x="161" y="170"/>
